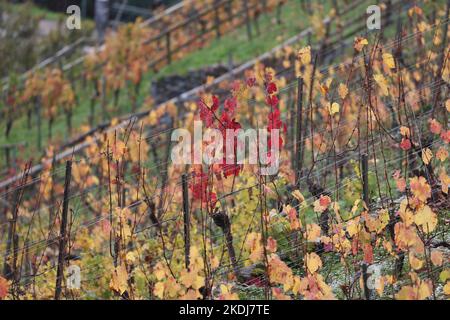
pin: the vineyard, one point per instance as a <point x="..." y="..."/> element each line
<point x="348" y="198"/>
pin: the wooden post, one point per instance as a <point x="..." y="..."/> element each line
<point x="365" y="177"/>
<point x="6" y="263"/>
<point x="187" y="221"/>
<point x="442" y="112"/>
<point x="37" y="109"/>
<point x="336" y="8"/>
<point x="299" y="134"/>
<point x="365" y="278"/>
<point x="217" y="21"/>
<point x="62" y="233"/>
<point x="279" y="7"/>
<point x="256" y="21"/>
<point x="15" y="257"/>
<point x="169" y="53"/>
<point x="247" y="20"/>
<point x="7" y="156"/>
<point x="103" y="97"/>
<point x="27" y="263"/>
<point x="9" y="270"/>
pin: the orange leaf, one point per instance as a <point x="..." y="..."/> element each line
<point x="4" y="287"/>
<point x="420" y="188"/>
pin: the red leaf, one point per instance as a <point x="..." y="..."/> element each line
<point x="405" y="144"/>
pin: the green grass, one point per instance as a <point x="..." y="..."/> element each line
<point x="237" y="44"/>
<point x="36" y="11"/>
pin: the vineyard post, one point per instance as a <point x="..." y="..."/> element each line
<point x="103" y="97"/>
<point x="15" y="257"/>
<point x="27" y="262"/>
<point x="443" y="114"/>
<point x="92" y="110"/>
<point x="217" y="21"/>
<point x="62" y="233"/>
<point x="309" y="38"/>
<point x="37" y="109"/>
<point x="11" y="153"/>
<point x="247" y="20"/>
<point x="306" y="6"/>
<point x="7" y="155"/>
<point x="256" y="21"/>
<point x="279" y="7"/>
<point x="365" y="177"/>
<point x="365" y="278"/>
<point x="6" y="266"/>
<point x="264" y="5"/>
<point x="187" y="220"/>
<point x="165" y="171"/>
<point x="299" y="132"/>
<point x="290" y="122"/>
<point x="336" y="7"/>
<point x="169" y="54"/>
<point x="12" y="239"/>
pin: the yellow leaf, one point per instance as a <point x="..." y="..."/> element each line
<point x="304" y="55"/>
<point x="172" y="288"/>
<point x="297" y="195"/>
<point x="191" y="279"/>
<point x="424" y="290"/>
<point x="360" y="43"/>
<point x="209" y="80"/>
<point x="342" y="90"/>
<point x="254" y="244"/>
<point x="226" y="293"/>
<point x="405" y="293"/>
<point x="153" y="118"/>
<point x="312" y="232"/>
<point x="353" y="226"/>
<point x="388" y="60"/>
<point x="313" y="262"/>
<point x="159" y="272"/>
<point x="118" y="150"/>
<point x="404" y="131"/>
<point x="158" y="290"/>
<point x="381" y="81"/>
<point x="444" y="275"/>
<point x="131" y="257"/>
<point x="383" y="220"/>
<point x="445" y="180"/>
<point x="415" y="263"/>
<point x="333" y="109"/>
<point x="447" y="288"/>
<point x="427" y="155"/>
<point x="426" y="219"/>
<point x="119" y="279"/>
<point x="447" y="105"/>
<point x="191" y="294"/>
